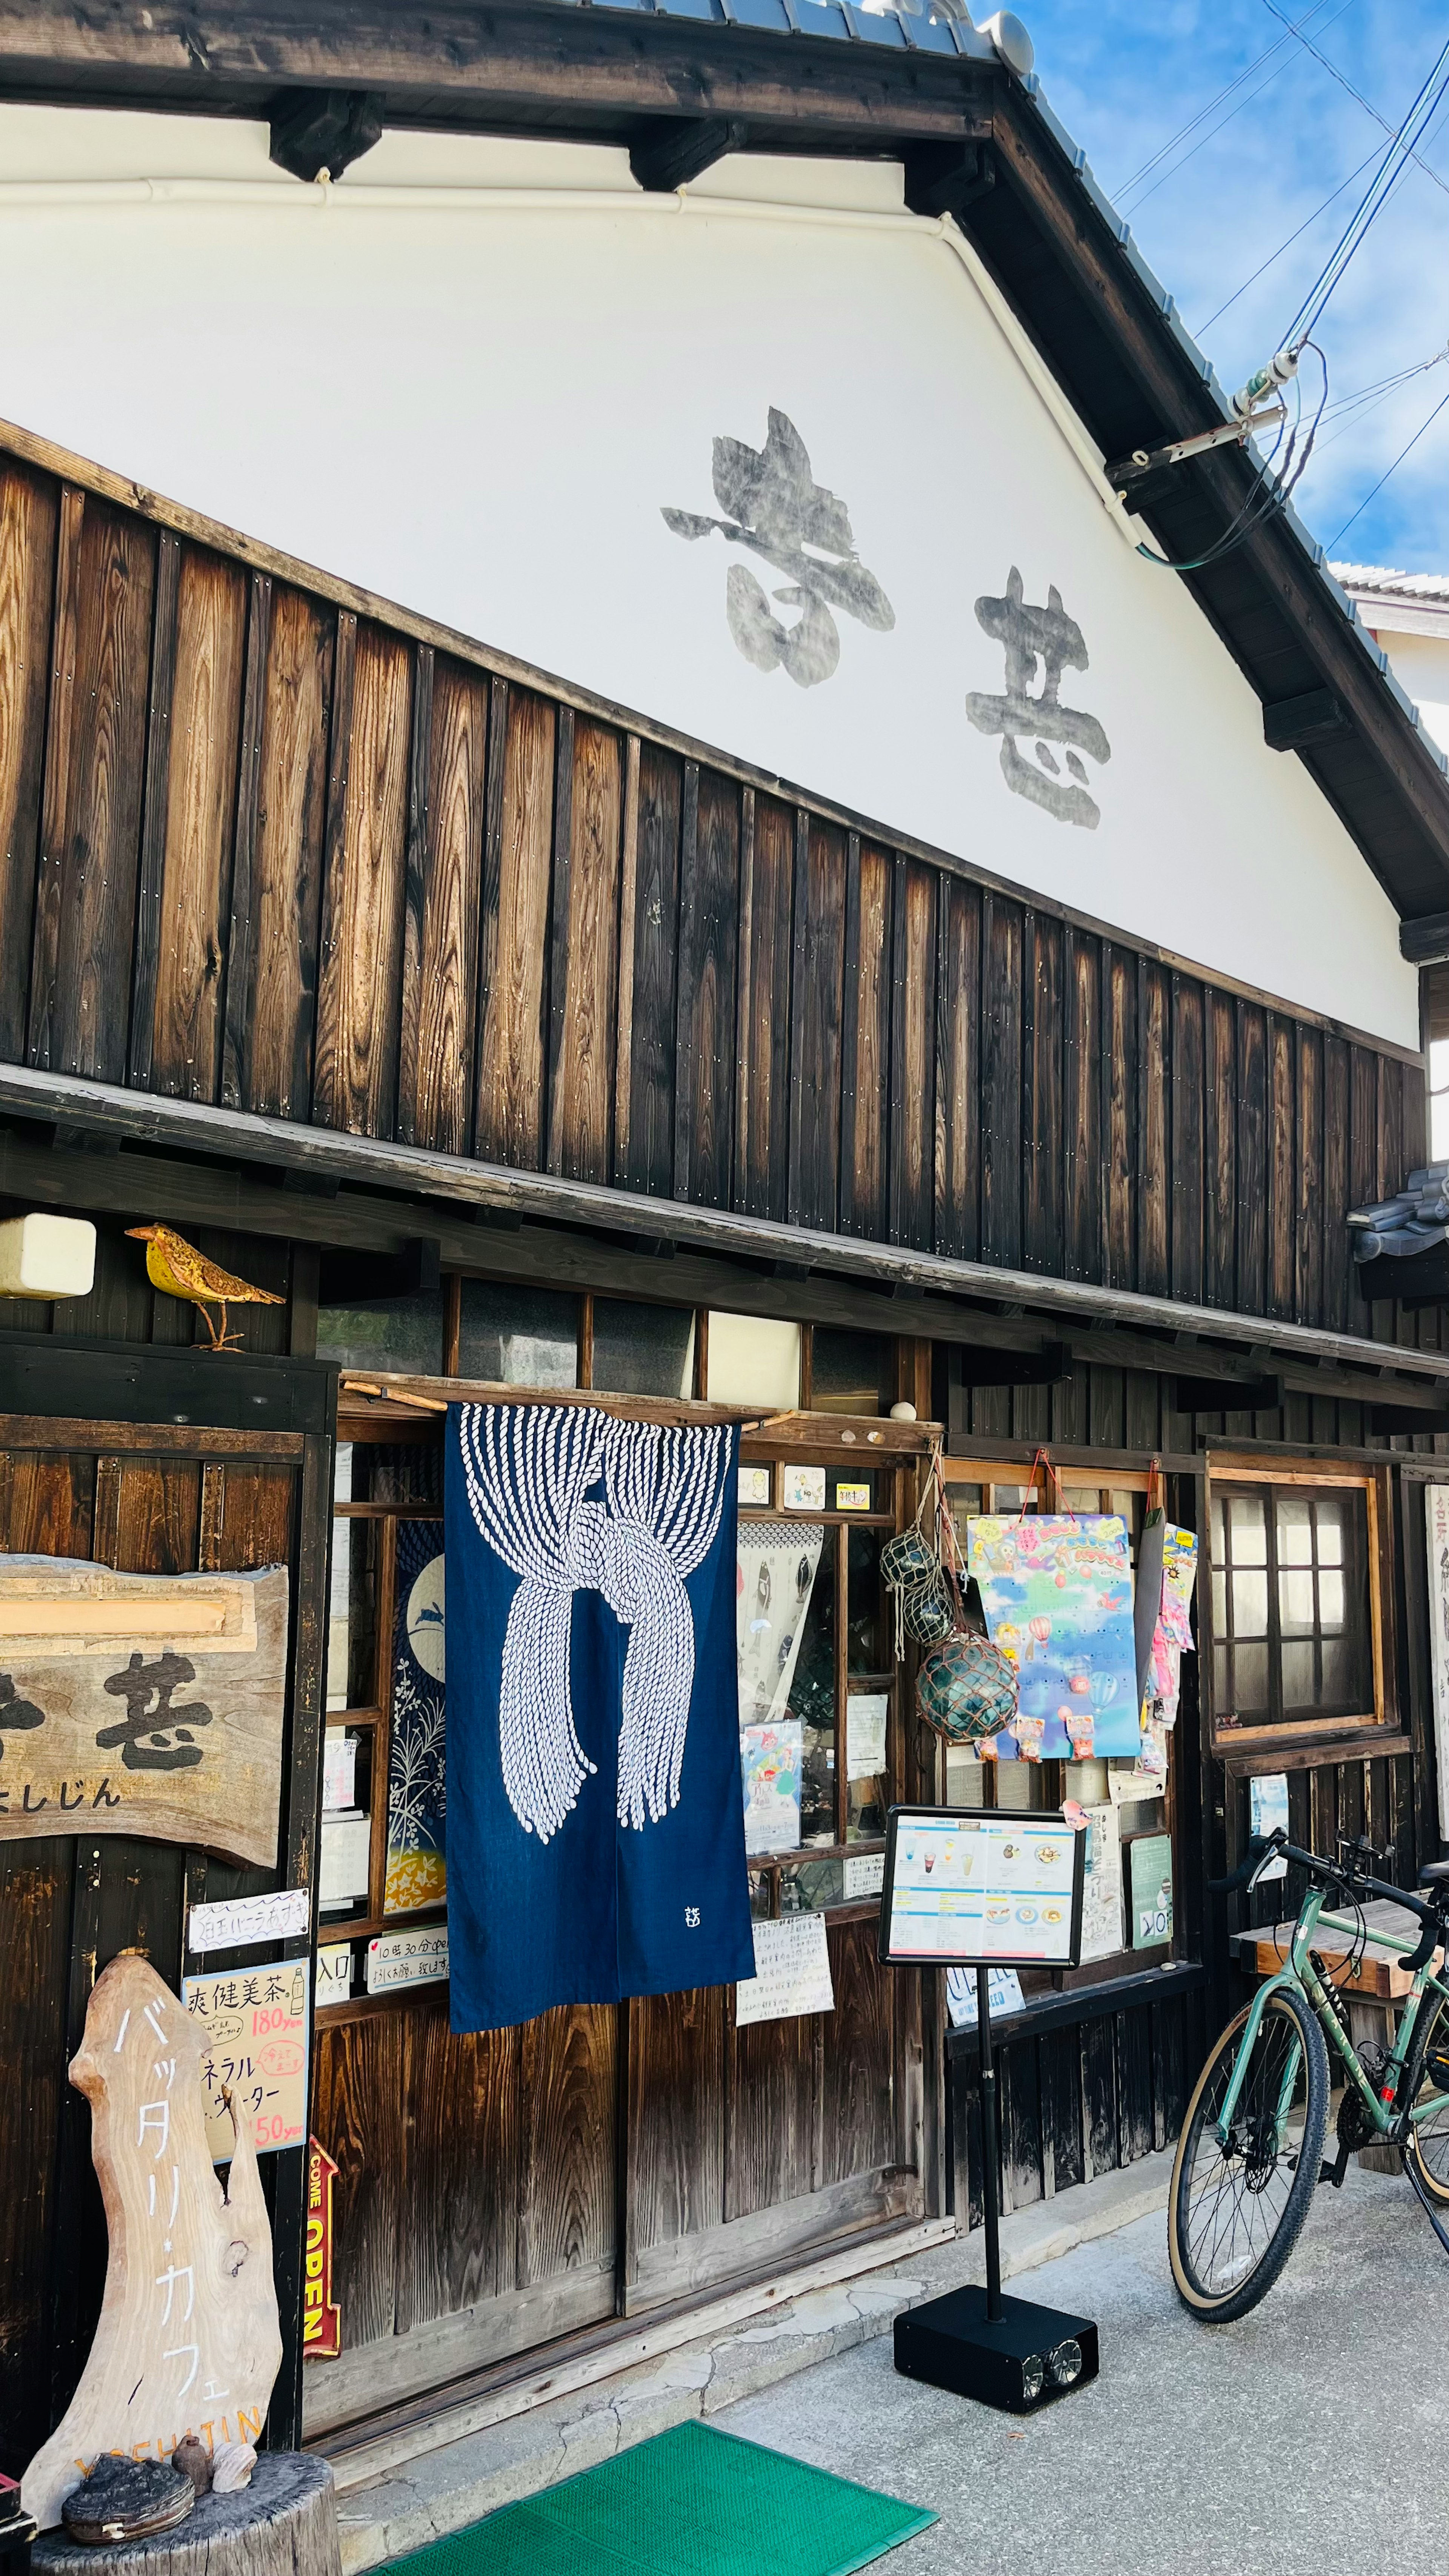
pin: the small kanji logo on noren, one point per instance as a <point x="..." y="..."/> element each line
<point x="691" y="1917"/>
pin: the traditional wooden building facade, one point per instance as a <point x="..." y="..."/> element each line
<point x="516" y="1039"/>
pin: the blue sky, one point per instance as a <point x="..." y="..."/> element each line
<point x="1126" y="75"/>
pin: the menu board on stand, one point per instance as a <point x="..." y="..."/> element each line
<point x="979" y="1888"/>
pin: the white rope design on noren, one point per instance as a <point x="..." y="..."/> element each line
<point x="528" y="1469"/>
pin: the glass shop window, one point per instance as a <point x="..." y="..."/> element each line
<point x="1292" y="1605"/>
<point x="400" y="1333"/>
<point x="642" y="1350"/>
<point x="511" y="1335"/>
<point x="753" y="1359"/>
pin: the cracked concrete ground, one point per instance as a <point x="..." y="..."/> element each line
<point x="1308" y="2437"/>
<point x="444" y="2489"/>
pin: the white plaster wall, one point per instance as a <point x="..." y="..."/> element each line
<point x="478" y="403"/>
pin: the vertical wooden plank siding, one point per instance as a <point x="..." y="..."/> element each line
<point x="1043" y="1070"/>
<point x="958" y="1047"/>
<point x="705" y="1002"/>
<point x="258" y="851"/>
<point x="28" y="515"/>
<point x="1001" y="954"/>
<point x="649" y="1162"/>
<point x="815" y="1077"/>
<point x="85" y="914"/>
<point x="1220" y="1149"/>
<point x="762" y="1172"/>
<point x="444" y="896"/>
<point x="1154" y="1176"/>
<point x="580" y="1111"/>
<point x="869" y="1155"/>
<point x="1282" y="1179"/>
<point x="509" y="1117"/>
<point x="1119" y="1117"/>
<point x="1189" y="1179"/>
<point x="355" y="1083"/>
<point x="913" y="1051"/>
<point x="195" y="887"/>
<point x="277" y="878"/>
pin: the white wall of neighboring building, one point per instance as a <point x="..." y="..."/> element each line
<point x="473" y="377"/>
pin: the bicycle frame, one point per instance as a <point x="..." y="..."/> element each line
<point x="1390" y="2118"/>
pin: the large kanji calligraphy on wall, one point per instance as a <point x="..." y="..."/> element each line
<point x="143" y="1704"/>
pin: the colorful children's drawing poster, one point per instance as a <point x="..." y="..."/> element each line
<point x="770" y="1762"/>
<point x="1057" y="1592"/>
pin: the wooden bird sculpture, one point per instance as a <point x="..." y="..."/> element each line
<point x="179" y="1270"/>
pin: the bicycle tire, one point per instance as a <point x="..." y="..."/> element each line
<point x="1286" y="2017"/>
<point x="1420" y="2149"/>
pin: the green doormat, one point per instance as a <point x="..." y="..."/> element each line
<point x="694" y="2502"/>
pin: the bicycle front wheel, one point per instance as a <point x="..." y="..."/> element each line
<point x="1427" y="2145"/>
<point x="1241" y="2189"/>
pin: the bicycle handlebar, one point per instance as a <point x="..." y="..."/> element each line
<point x="1336" y="1875"/>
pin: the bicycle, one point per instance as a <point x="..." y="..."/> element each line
<point x="1250" y="2155"/>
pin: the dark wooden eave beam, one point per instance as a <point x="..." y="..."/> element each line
<point x="366" y="1162"/>
<point x="1425" y="941"/>
<point x="679" y="148"/>
<point x="1311" y="717"/>
<point x="486" y="65"/>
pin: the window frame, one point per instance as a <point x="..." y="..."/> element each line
<point x="1268" y="1469"/>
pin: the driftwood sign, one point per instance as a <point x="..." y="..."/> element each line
<point x="188" y="2339"/>
<point x="142" y="1704"/>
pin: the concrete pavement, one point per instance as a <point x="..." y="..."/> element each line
<point x="1309" y="2440"/>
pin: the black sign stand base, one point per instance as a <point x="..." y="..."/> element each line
<point x="1003" y="2352"/>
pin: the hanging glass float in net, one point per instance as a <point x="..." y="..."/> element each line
<point x="966" y="1688"/>
<point x="929" y="1613"/>
<point x="907" y="1561"/>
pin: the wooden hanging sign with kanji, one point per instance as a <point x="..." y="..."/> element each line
<point x="188" y="2339"/>
<point x="143" y="1704"/>
<point x="321" y="2316"/>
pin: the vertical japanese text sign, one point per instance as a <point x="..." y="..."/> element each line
<point x="188" y="2339"/>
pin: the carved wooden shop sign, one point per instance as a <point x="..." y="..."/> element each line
<point x="143" y="1704"/>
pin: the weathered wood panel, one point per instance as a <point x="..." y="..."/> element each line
<point x="509" y="1116"/>
<point x="584" y="981"/>
<point x="646" y="1159"/>
<point x="866" y="1150"/>
<point x="28" y="510"/>
<point x="674" y="2183"/>
<point x="566" y="2199"/>
<point x="1082" y="1108"/>
<point x="762" y="1170"/>
<point x="444" y="889"/>
<point x="772" y="2097"/>
<point x="458" y="2203"/>
<point x="277" y="873"/>
<point x="85" y="912"/>
<point x="815" y="1025"/>
<point x="1043" y="1036"/>
<point x="355" y="1083"/>
<point x="705" y="997"/>
<point x="913" y="1055"/>
<point x="193" y="896"/>
<point x="857" y="2128"/>
<point x="1001" y="965"/>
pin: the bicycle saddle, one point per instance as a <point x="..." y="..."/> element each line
<point x="1435" y="1873"/>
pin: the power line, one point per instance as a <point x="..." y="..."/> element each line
<point x="1274" y="255"/>
<point x="1214" y="130"/>
<point x="1345" y="83"/>
<point x="1392" y="165"/>
<point x="1393" y="469"/>
<point x="1279" y="46"/>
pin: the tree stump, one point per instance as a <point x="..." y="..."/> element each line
<point x="283" y="2524"/>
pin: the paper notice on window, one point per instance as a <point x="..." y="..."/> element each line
<point x="867" y="1712"/>
<point x="792" y="1972"/>
<point x="1268" y="1814"/>
<point x="252" y="2023"/>
<point x="238" y="1920"/>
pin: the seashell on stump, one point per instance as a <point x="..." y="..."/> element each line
<point x="194" y="2458"/>
<point x="232" y="2464"/>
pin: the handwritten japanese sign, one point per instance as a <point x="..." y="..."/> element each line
<point x="188" y="2338"/>
<point x="142" y="1704"/>
<point x="1047" y="637"/>
<point x="252" y="2023"/>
